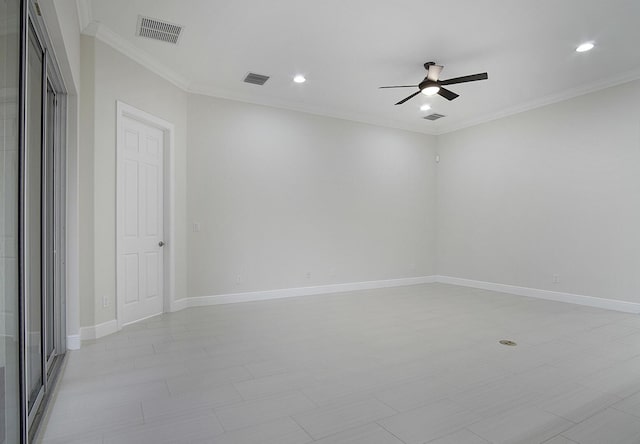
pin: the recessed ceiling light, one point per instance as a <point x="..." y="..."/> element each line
<point x="299" y="78"/>
<point x="587" y="46"/>
<point x="425" y="107"/>
<point x="430" y="90"/>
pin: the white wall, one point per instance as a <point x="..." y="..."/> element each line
<point x="279" y="194"/>
<point x="551" y="191"/>
<point x="86" y="231"/>
<point x="109" y="76"/>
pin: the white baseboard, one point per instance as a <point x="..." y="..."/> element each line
<point x="570" y="298"/>
<point x="73" y="342"/>
<point x="98" y="331"/>
<point x="233" y="298"/>
<point x="109" y="327"/>
<point x="179" y="304"/>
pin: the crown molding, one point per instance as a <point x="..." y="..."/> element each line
<point x="106" y="35"/>
<point x="84" y="13"/>
<point x="319" y="111"/>
<point x="626" y="77"/>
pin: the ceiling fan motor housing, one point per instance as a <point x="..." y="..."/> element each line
<point x="427" y="83"/>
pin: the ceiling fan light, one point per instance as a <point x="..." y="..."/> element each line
<point x="431" y="90"/>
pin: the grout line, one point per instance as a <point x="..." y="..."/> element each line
<point x="144" y="419"/>
<point x="389" y="431"/>
<point x="303" y="429"/>
<point x="385" y="404"/>
<point x="475" y="434"/>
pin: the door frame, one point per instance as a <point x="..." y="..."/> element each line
<point x="123" y="111"/>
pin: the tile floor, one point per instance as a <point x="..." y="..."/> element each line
<point x="410" y="365"/>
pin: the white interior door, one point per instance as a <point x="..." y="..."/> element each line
<point x="140" y="210"/>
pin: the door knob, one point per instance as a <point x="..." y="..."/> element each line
<point x="161" y="244"/>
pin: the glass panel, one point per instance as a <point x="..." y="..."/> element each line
<point x="50" y="335"/>
<point x="33" y="221"/>
<point x="9" y="201"/>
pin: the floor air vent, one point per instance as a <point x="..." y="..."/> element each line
<point x="158" y="30"/>
<point x="434" y="116"/>
<point x="256" y="79"/>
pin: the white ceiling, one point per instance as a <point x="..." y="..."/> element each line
<point x="348" y="48"/>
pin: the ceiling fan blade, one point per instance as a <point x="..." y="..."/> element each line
<point x="407" y="98"/>
<point x="403" y="86"/>
<point x="434" y="72"/>
<point x="449" y="95"/>
<point x="464" y="79"/>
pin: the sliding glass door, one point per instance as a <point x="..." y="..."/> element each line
<point x="43" y="231"/>
<point x="33" y="247"/>
<point x="31" y="220"/>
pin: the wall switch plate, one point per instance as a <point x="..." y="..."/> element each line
<point x="105" y="302"/>
<point x="196" y="227"/>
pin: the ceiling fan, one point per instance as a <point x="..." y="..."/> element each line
<point x="431" y="85"/>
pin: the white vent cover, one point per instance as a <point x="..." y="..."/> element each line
<point x="158" y="30"/>
<point x="256" y="79"/>
<point x="434" y="116"/>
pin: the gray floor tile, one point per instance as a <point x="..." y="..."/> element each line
<point x="248" y="413"/>
<point x="176" y="405"/>
<point x="429" y="422"/>
<point x="463" y="436"/>
<point x="560" y="440"/>
<point x="609" y="426"/>
<point x="524" y="426"/>
<point x="339" y="362"/>
<point x="274" y="384"/>
<point x="631" y="405"/>
<point x="330" y="419"/>
<point x="197" y="425"/>
<point x="367" y="434"/>
<point x="280" y="431"/>
<point x="576" y="402"/>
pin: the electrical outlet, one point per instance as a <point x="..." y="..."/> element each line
<point x="238" y="280"/>
<point x="105" y="302"/>
<point x="308" y="275"/>
<point x="196" y="227"/>
<point x="412" y="267"/>
<point x="556" y="278"/>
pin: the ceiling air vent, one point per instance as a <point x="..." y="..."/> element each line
<point x="434" y="116"/>
<point x="158" y="30"/>
<point x="256" y="79"/>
